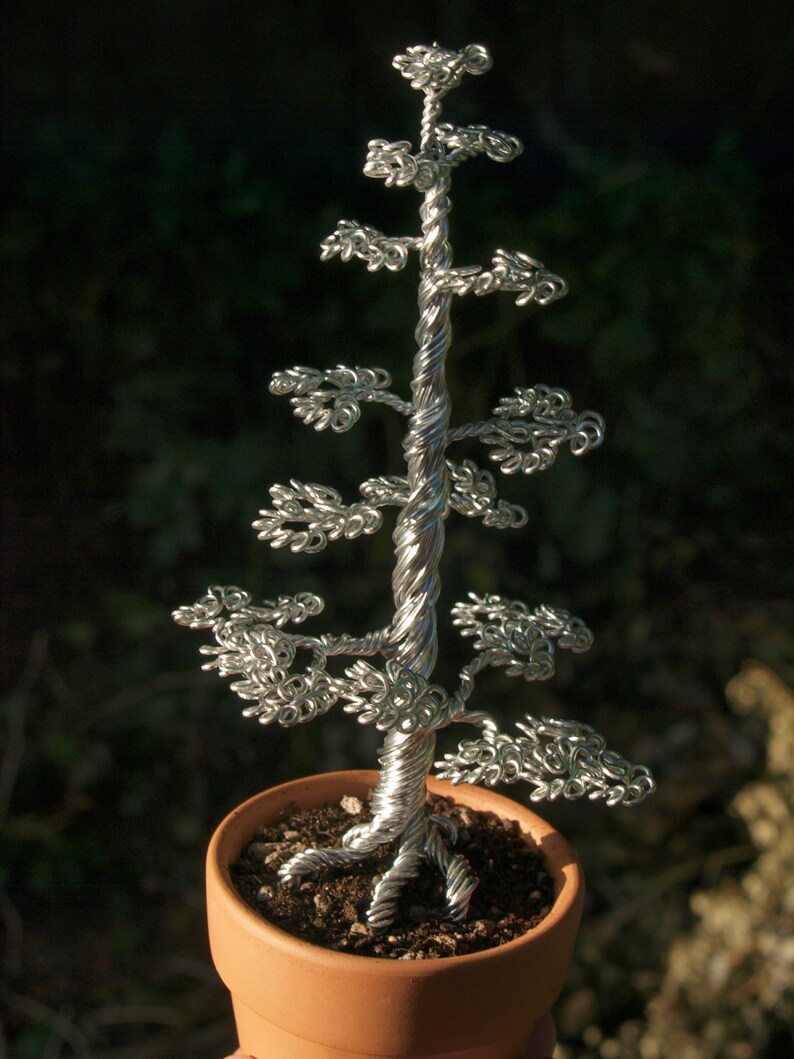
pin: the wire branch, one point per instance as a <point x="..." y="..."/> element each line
<point x="473" y="493"/>
<point x="351" y="239"/>
<point x="371" y="643"/>
<point x="333" y="398"/>
<point x="464" y="142"/>
<point x="509" y="635"/>
<point x="208" y="610"/>
<point x="397" y="166"/>
<point x="552" y="424"/>
<point x="390" y="490"/>
<point x="512" y="271"/>
<point x="394" y="698"/>
<point x="250" y="644"/>
<point x="435" y="70"/>
<point x="558" y="758"/>
<point x="321" y="510"/>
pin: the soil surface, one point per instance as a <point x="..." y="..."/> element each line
<point x="514" y="894"/>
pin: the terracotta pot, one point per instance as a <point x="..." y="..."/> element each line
<point x="293" y="1000"/>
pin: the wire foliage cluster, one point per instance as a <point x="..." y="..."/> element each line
<point x="557" y="758"/>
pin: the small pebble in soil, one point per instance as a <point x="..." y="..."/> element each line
<point x="514" y="894"/>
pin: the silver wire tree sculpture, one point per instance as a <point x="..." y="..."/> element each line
<point x="558" y="758"/>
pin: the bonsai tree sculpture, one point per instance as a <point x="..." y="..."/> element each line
<point x="253" y="645"/>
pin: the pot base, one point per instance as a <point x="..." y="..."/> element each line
<point x="252" y="1028"/>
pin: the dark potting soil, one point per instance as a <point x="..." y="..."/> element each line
<point x="514" y="894"/>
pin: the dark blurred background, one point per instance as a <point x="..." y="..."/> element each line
<point x="169" y="171"/>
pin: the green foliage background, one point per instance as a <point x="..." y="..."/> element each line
<point x="159" y="252"/>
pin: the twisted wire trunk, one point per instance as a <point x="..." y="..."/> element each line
<point x="398" y="801"/>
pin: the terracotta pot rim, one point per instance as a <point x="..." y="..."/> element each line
<point x="567" y="873"/>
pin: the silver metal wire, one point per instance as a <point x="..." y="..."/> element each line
<point x="474" y="494"/>
<point x="282" y="674"/>
<point x="471" y="140"/>
<point x="394" y="698"/>
<point x="552" y="423"/>
<point x="351" y="239"/>
<point x="512" y="271"/>
<point x="321" y="510"/>
<point x="333" y="398"/>
<point x="519" y="639"/>
<point x="558" y="758"/>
